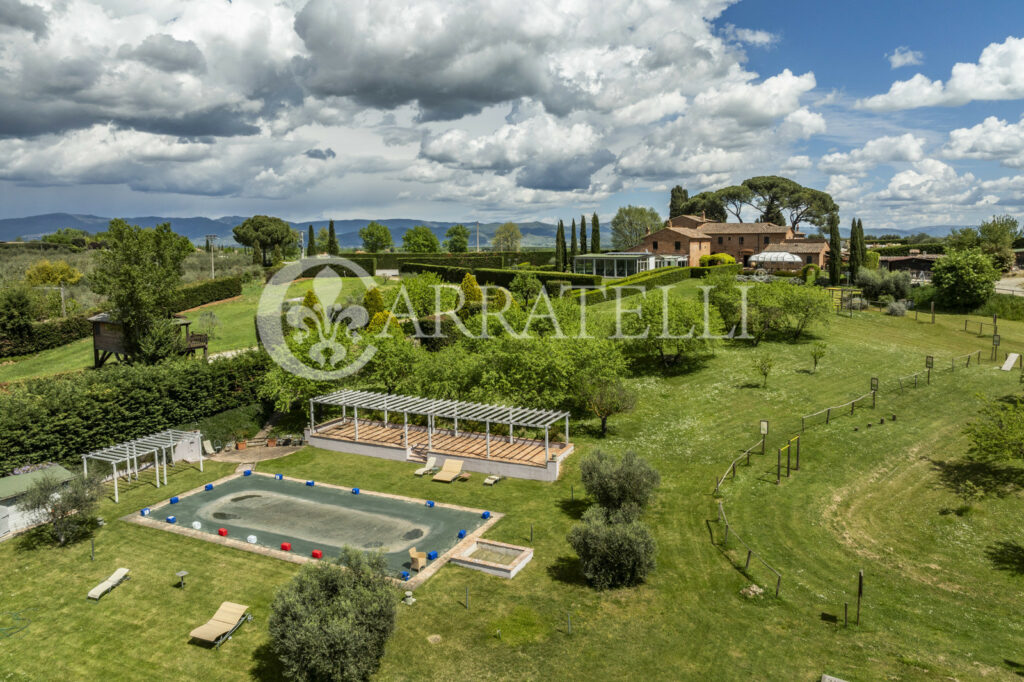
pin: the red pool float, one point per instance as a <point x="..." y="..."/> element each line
<point x="317" y="554"/>
<point x="286" y="546"/>
<point x="223" y="532"/>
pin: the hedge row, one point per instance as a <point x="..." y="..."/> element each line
<point x="45" y="335"/>
<point x="707" y="270"/>
<point x="648" y="280"/>
<point x="57" y="419"/>
<point x="367" y="263"/>
<point x="904" y="249"/>
<point x="194" y="295"/>
<point x="504" y="277"/>
<point x="394" y="261"/>
<point x="449" y="273"/>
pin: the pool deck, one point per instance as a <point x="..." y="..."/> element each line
<point x="414" y="581"/>
<point x="496" y="454"/>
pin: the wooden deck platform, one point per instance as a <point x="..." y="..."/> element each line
<point x="473" y="445"/>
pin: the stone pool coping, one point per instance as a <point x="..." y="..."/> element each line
<point x="411" y="584"/>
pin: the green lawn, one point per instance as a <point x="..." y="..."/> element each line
<point x="235" y="329"/>
<point x="941" y="590"/>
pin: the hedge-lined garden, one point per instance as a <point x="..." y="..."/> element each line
<point x="57" y="419"/>
<point x="195" y="295"/>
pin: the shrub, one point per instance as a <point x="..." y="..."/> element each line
<point x="613" y="554"/>
<point x="878" y="283"/>
<point x="896" y="309"/>
<point x="705" y="271"/>
<point x="809" y="273"/>
<point x="527" y="286"/>
<point x="56" y="419"/>
<point x="373" y="302"/>
<point x="615" y="483"/>
<point x="964" y="279"/>
<point x="647" y="280"/>
<point x="332" y="623"/>
<point x="66" y="507"/>
<point x="717" y="259"/>
<point x="858" y="303"/>
<point x="367" y="263"/>
<point x="1006" y="306"/>
<point x="471" y="292"/>
<point x="904" y="249"/>
<point x="449" y="273"/>
<point x="504" y="277"/>
<point x="557" y="287"/>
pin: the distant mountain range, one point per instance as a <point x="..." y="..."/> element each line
<point x="536" y="234"/>
<point x="196" y="228"/>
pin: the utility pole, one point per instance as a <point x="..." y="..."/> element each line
<point x="210" y="238"/>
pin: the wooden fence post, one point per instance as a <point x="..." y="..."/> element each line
<point x="828" y="414"/>
<point x="933" y="312"/>
<point x="860" y="592"/>
<point x="778" y="468"/>
<point x="798" y="453"/>
<point x="788" y="455"/>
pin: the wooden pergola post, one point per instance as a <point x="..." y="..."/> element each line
<point x="487" y="437"/>
<point x="165" y="466"/>
<point x="456" y="422"/>
<point x="114" y="465"/>
<point x="405" y="419"/>
<point x="430" y="432"/>
<point x="312" y="417"/>
<point x="547" y="452"/>
<point x="567" y="430"/>
<point x="355" y="420"/>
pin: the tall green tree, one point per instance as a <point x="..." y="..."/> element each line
<point x="420" y="239"/>
<point x="677" y="201"/>
<point x="964" y="279"/>
<point x="263" y="233"/>
<point x="706" y="204"/>
<point x="507" y="237"/>
<point x="207" y="248"/>
<point x="734" y="199"/>
<point x="595" y="234"/>
<point x="332" y="240"/>
<point x="457" y="239"/>
<point x="573" y="246"/>
<point x="330" y="623"/>
<point x="631" y="224"/>
<point x="855" y="250"/>
<point x="560" y="255"/>
<point x="996" y="237"/>
<point x="139" y="272"/>
<point x="583" y="234"/>
<point x="770" y="193"/>
<point x="376" y="237"/>
<point x="835" y="251"/>
<point x="311" y="246"/>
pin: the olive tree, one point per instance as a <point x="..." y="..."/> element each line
<point x="67" y="508"/>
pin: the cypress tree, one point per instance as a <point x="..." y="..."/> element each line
<point x="863" y="244"/>
<point x="855" y="251"/>
<point x="208" y="248"/>
<point x="573" y="248"/>
<point x="311" y="243"/>
<point x="835" y="250"/>
<point x="583" y="234"/>
<point x="560" y="247"/>
<point x="595" y="234"/>
<point x="332" y="240"/>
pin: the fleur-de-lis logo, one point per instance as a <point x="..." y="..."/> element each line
<point x="326" y="320"/>
<point x="325" y="326"/>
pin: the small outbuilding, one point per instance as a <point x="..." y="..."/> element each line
<point x="776" y="260"/>
<point x="13" y="487"/>
<point x="108" y="339"/>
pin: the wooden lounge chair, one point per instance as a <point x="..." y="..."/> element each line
<point x="208" y="450"/>
<point x="491" y="480"/>
<point x="115" y="579"/>
<point x="450" y="470"/>
<point x="417" y="560"/>
<point x="217" y="630"/>
<point x="430" y="465"/>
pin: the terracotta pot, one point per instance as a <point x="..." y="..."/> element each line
<point x="241" y="445"/>
<point x="271" y="442"/>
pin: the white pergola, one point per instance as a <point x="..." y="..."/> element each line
<point x="128" y="454"/>
<point x="445" y="409"/>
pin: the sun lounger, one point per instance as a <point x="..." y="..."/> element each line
<point x="417" y="560"/>
<point x="450" y="470"/>
<point x="208" y="450"/>
<point x="491" y="480"/>
<point x="115" y="579"/>
<point x="217" y="630"/>
<point x="430" y="465"/>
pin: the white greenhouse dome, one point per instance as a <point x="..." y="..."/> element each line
<point x="776" y="258"/>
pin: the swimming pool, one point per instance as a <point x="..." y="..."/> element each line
<point x="319" y="517"/>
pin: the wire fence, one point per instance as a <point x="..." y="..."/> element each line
<point x="751" y="554"/>
<point x="837" y="409"/>
<point x="732" y="467"/>
<point x="968" y="325"/>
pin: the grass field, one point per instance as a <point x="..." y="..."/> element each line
<point x="942" y="590"/>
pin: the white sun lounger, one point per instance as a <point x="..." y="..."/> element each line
<point x="115" y="579"/>
<point x="208" y="449"/>
<point x="430" y="465"/>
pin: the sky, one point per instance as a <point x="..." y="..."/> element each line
<point x="908" y="113"/>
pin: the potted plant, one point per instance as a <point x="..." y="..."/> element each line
<point x="271" y="441"/>
<point x="240" y="439"/>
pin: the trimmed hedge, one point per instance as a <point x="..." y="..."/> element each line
<point x="701" y="272"/>
<point x="904" y="249"/>
<point x="57" y="419"/>
<point x="648" y="280"/>
<point x="367" y="263"/>
<point x="394" y="261"/>
<point x="504" y="277"/>
<point x="194" y="295"/>
<point x="449" y="273"/>
<point x="45" y="335"/>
